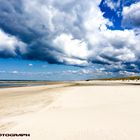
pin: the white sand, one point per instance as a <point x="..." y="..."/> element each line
<point x="73" y="113"/>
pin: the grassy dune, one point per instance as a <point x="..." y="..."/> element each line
<point x="119" y="78"/>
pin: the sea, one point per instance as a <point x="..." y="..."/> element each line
<point x="8" y="84"/>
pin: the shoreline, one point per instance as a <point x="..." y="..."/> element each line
<point x="74" y="83"/>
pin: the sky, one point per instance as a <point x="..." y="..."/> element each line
<point x="69" y="40"/>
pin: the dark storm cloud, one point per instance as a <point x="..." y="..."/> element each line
<point x="71" y="32"/>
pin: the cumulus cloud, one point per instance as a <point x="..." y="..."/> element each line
<point x="131" y="15"/>
<point x="10" y="45"/>
<point x="71" y="47"/>
<point x="72" y="32"/>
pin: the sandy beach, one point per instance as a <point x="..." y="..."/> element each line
<point x="91" y="110"/>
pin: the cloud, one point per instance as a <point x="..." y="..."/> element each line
<point x="10" y="45"/>
<point x="71" y="47"/>
<point x="131" y="16"/>
<point x="71" y="32"/>
<point x="30" y="65"/>
<point x="44" y="25"/>
<point x="15" y="72"/>
<point x="126" y="73"/>
<point x="86" y="73"/>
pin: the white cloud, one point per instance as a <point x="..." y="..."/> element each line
<point x="15" y="72"/>
<point x="131" y="15"/>
<point x="10" y="44"/>
<point x="88" y="71"/>
<point x="74" y="49"/>
<point x="126" y="73"/>
<point x="111" y="45"/>
<point x="30" y="65"/>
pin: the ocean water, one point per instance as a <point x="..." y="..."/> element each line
<point x="5" y="85"/>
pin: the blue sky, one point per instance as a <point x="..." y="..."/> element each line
<point x="40" y="70"/>
<point x="69" y="40"/>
